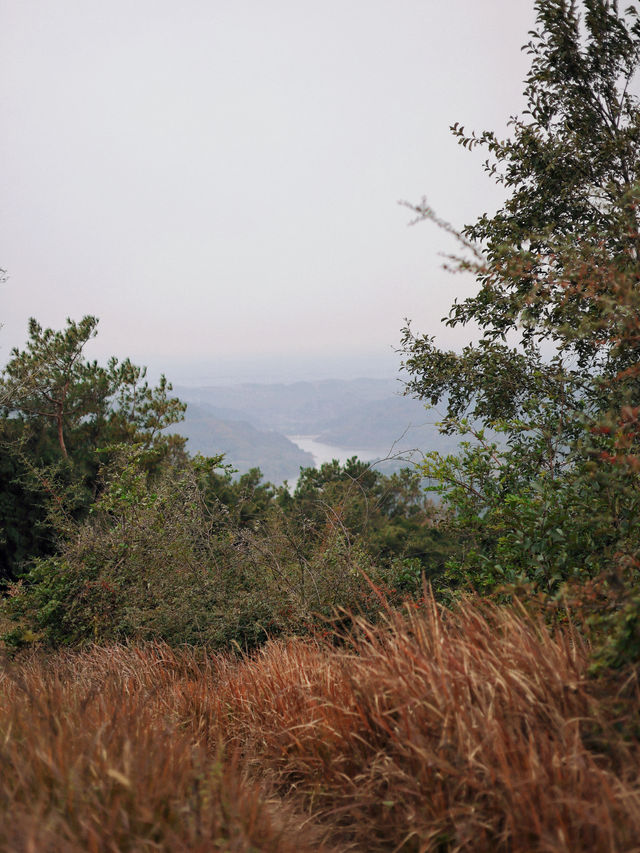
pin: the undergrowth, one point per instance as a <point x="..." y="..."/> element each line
<point x="478" y="729"/>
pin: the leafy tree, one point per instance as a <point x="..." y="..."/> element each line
<point x="558" y="269"/>
<point x="388" y="517"/>
<point x="569" y="165"/>
<point x="49" y="383"/>
<point x="571" y="168"/>
<point x="247" y="499"/>
<point x="57" y="410"/>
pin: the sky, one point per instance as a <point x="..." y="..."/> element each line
<point x="218" y="180"/>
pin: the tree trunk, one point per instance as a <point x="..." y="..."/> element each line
<point x="61" y="435"/>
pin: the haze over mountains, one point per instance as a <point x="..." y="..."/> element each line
<point x="253" y="423"/>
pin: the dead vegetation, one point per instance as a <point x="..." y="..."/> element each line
<point x="103" y="751"/>
<point x="473" y="730"/>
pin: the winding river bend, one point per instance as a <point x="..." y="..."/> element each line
<point x="326" y="452"/>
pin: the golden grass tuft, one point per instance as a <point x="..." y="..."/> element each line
<point x="106" y="751"/>
<point x="477" y="729"/>
<point x="473" y="730"/>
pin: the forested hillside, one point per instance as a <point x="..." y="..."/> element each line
<point x="244" y="445"/>
<point x="197" y="661"/>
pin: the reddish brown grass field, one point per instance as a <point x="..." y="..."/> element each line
<point x="477" y="730"/>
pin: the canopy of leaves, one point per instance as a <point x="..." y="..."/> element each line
<point x="57" y="411"/>
<point x="556" y="370"/>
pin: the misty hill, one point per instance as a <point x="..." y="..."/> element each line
<point x="393" y="423"/>
<point x="244" y="446"/>
<point x="366" y="413"/>
<point x="250" y="422"/>
<point x="295" y="408"/>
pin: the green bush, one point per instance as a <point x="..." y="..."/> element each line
<point x="159" y="558"/>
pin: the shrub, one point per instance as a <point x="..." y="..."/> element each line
<point x="159" y="559"/>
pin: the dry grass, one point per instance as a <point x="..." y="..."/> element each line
<point x="97" y="754"/>
<point x="472" y="731"/>
<point x="478" y="731"/>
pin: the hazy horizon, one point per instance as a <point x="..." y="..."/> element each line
<point x="280" y="369"/>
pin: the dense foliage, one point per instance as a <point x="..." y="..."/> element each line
<point x="187" y="554"/>
<point x="57" y="410"/>
<point x="555" y="372"/>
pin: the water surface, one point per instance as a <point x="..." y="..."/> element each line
<point x="327" y="452"/>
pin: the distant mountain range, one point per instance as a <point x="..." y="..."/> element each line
<point x="250" y="422"/>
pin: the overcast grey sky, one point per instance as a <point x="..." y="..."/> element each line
<point x="218" y="180"/>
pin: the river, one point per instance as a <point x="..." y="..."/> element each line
<point x="326" y="452"/>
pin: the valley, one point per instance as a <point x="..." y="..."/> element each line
<point x="282" y="427"/>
